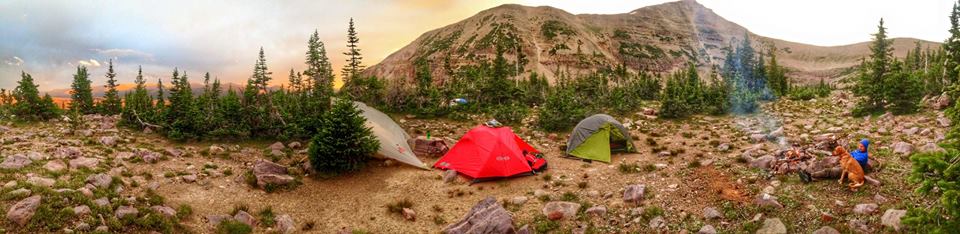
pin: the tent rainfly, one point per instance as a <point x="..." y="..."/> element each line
<point x="393" y="139"/>
<point x="596" y="136"/>
<point x="486" y="153"/>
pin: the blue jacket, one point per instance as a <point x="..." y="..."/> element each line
<point x="862" y="157"/>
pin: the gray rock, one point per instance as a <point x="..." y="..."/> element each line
<point x="518" y="200"/>
<point x="487" y="216"/>
<point x="100" y="180"/>
<point x="216" y="150"/>
<point x="902" y="148"/>
<point x="723" y="147"/>
<point x="81" y="210"/>
<point x="707" y="229"/>
<point x="102" y="202"/>
<point x="21" y="192"/>
<point x="285" y="224"/>
<point x="126" y="211"/>
<point x="54" y="166"/>
<point x="41" y="181"/>
<point x="757" y="138"/>
<point x="931" y="147"/>
<point x="21" y="212"/>
<point x="657" y="223"/>
<point x="597" y="210"/>
<point x="84" y="162"/>
<point x="244" y="217"/>
<point x="164" y="210"/>
<point x="189" y="178"/>
<point x="711" y="213"/>
<point x="762" y="162"/>
<point x="859" y="226"/>
<point x="768" y="200"/>
<point x="772" y="226"/>
<point x="108" y="141"/>
<point x="277" y="146"/>
<point x="634" y="194"/>
<point x="215" y="220"/>
<point x="944" y="121"/>
<point x="557" y="210"/>
<point x="83" y="227"/>
<point x="891" y="218"/>
<point x="866" y="208"/>
<point x="261" y="167"/>
<point x="15" y="161"/>
<point x="409" y="214"/>
<point x="294" y="145"/>
<point x="102" y="228"/>
<point x="36" y="156"/>
<point x="173" y="152"/>
<point x="449" y="176"/>
<point x="826" y="230"/>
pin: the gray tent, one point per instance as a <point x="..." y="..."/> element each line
<point x="393" y="139"/>
<point x="596" y="136"/>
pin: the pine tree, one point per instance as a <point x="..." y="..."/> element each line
<point x="903" y="89"/>
<point x="952" y="47"/>
<point x="81" y="94"/>
<point x="28" y="105"/>
<point x="354" y="66"/>
<point x="320" y="74"/>
<point x="296" y="81"/>
<point x="776" y="75"/>
<point x="138" y="106"/>
<point x="161" y="102"/>
<point x="111" y="103"/>
<point x="343" y="143"/>
<point x="181" y="114"/>
<point x="871" y="85"/>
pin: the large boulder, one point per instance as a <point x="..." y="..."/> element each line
<point x="902" y="148"/>
<point x="100" y="180"/>
<point x="634" y="194"/>
<point x="246" y="218"/>
<point x="557" y="210"/>
<point x="891" y="218"/>
<point x="487" y="216"/>
<point x="15" y="161"/>
<point x="772" y="226"/>
<point x="942" y="102"/>
<point x="285" y="224"/>
<point x="21" y="212"/>
<point x="261" y="167"/>
<point x="273" y="179"/>
<point x="108" y="141"/>
<point x="866" y="208"/>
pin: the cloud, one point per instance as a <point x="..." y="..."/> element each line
<point x="125" y="53"/>
<point x="89" y="63"/>
<point x="14" y="61"/>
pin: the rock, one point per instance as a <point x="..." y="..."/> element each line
<point x="244" y="217"/>
<point x="277" y="146"/>
<point x="834" y="129"/>
<point x="192" y="178"/>
<point x="518" y="200"/>
<point x="216" y="150"/>
<point x="54" y="166"/>
<point x="409" y="214"/>
<point x="931" y="147"/>
<point x="487" y="216"/>
<point x="148" y="156"/>
<point x="84" y="162"/>
<point x="891" y="218"/>
<point x="126" y="211"/>
<point x="597" y="210"/>
<point x="707" y="229"/>
<point x="449" y="176"/>
<point x="21" y="192"/>
<point x="859" y="225"/>
<point x="173" y="152"/>
<point x="944" y="121"/>
<point x="664" y="153"/>
<point x="102" y="202"/>
<point x="273" y="179"/>
<point x="768" y="200"/>
<point x="15" y="161"/>
<point x="108" y="141"/>
<point x="164" y="210"/>
<point x="657" y="223"/>
<point x="41" y="181"/>
<point x="557" y="210"/>
<point x="879" y="198"/>
<point x="285" y="223"/>
<point x="902" y="148"/>
<point x="723" y="147"/>
<point x="215" y="220"/>
<point x="711" y="213"/>
<point x="294" y="145"/>
<point x="649" y="111"/>
<point x="911" y="131"/>
<point x="100" y="180"/>
<point x="772" y="226"/>
<point x="826" y="230"/>
<point x="633" y="194"/>
<point x="762" y="162"/>
<point x="757" y="138"/>
<point x="261" y="167"/>
<point x="81" y="210"/>
<point x="776" y="133"/>
<point x="35" y="156"/>
<point x="277" y="153"/>
<point x="866" y="208"/>
<point x="21" y="212"/>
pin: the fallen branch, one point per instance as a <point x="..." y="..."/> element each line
<point x="135" y="114"/>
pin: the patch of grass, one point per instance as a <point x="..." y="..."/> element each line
<point x="569" y="196"/>
<point x="541" y="224"/>
<point x="228" y="172"/>
<point x="233" y="227"/>
<point x="693" y="164"/>
<point x="239" y="207"/>
<point x="438" y="220"/>
<point x="250" y="178"/>
<point x="544" y="198"/>
<point x="169" y="174"/>
<point x="583" y="185"/>
<point x="651" y="141"/>
<point x="153" y="198"/>
<point x="547" y="177"/>
<point x="651" y="212"/>
<point x="184" y="211"/>
<point x="267" y="217"/>
<point x="397" y="206"/>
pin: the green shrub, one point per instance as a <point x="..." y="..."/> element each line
<point x="267" y="217"/>
<point x="343" y="143"/>
<point x="233" y="227"/>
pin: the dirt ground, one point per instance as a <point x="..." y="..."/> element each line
<point x="697" y="174"/>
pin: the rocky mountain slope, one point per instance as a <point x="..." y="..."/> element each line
<point x="657" y="38"/>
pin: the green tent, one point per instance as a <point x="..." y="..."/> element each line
<point x="598" y="135"/>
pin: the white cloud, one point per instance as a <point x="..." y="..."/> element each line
<point x="89" y="63"/>
<point x="125" y="53"/>
<point x="14" y="61"/>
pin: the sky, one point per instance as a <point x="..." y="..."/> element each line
<point x="49" y="39"/>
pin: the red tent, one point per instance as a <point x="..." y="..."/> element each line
<point x="488" y="153"/>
